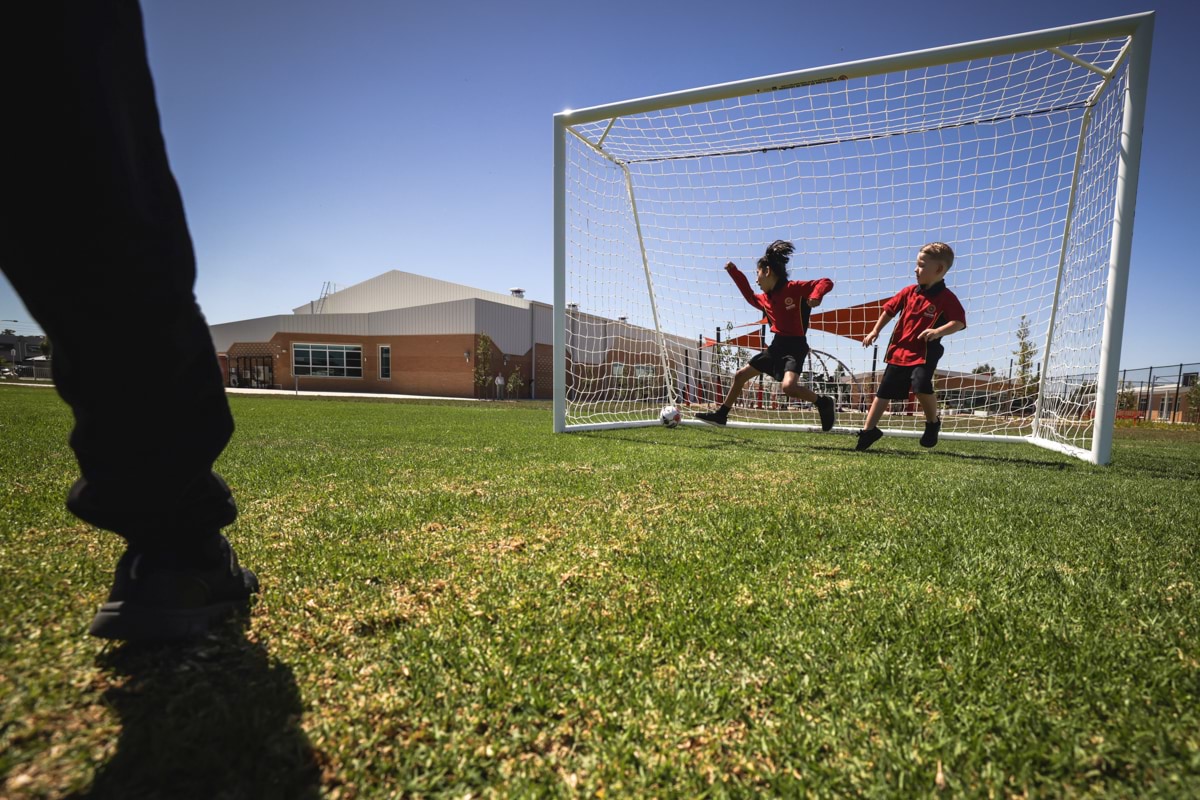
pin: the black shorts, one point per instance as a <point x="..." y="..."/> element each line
<point x="897" y="381"/>
<point x="784" y="354"/>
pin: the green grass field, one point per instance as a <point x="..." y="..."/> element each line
<point x="457" y="601"/>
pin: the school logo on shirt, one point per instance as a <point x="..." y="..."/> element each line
<point x="788" y="302"/>
<point x="930" y="313"/>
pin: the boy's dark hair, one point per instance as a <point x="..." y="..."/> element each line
<point x="776" y="258"/>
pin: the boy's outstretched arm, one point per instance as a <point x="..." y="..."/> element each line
<point x="870" y="338"/>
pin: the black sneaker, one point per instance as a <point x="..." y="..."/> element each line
<point x="156" y="598"/>
<point x="868" y="438"/>
<point x="930" y="436"/>
<point x="718" y="417"/>
<point x="827" y="412"/>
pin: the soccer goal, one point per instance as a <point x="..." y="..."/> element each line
<point x="1021" y="152"/>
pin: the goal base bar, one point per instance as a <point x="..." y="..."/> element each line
<point x="1048" y="444"/>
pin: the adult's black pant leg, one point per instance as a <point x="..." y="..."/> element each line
<point x="94" y="239"/>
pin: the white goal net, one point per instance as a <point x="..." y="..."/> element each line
<point x="1019" y="152"/>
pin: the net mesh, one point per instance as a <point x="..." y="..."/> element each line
<point x="1010" y="159"/>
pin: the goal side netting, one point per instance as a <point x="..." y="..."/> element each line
<point x="1019" y="152"/>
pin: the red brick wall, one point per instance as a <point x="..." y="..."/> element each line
<point x="421" y="365"/>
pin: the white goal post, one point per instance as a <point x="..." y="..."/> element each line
<point x="1021" y="152"/>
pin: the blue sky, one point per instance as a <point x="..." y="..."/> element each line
<point x="318" y="141"/>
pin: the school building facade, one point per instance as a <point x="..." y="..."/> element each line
<point x="396" y="333"/>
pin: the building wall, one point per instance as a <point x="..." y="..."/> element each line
<point x="428" y="365"/>
<point x="514" y="329"/>
<point x="424" y="365"/>
<point x="261" y="329"/>
<point x="424" y="320"/>
<point x="16" y="349"/>
<point x="1161" y="404"/>
<point x="543" y="372"/>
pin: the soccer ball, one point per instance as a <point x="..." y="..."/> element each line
<point x="670" y="416"/>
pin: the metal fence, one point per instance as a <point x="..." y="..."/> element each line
<point x="1160" y="393"/>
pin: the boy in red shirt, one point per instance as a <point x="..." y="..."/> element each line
<point x="786" y="305"/>
<point x="928" y="311"/>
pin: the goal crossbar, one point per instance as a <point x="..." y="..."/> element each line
<point x="1048" y="39"/>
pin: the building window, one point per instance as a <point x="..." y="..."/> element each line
<point x="620" y="370"/>
<point x="327" y="360"/>
<point x="385" y="362"/>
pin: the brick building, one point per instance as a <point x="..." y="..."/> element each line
<point x="396" y="333"/>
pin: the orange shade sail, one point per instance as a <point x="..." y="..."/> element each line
<point x="854" y="322"/>
<point x="753" y="340"/>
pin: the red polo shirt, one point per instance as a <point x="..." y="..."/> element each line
<point x="919" y="310"/>
<point x="784" y="308"/>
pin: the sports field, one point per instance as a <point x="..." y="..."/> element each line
<point x="458" y="602"/>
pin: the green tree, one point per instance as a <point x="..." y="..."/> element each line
<point x="515" y="383"/>
<point x="725" y="358"/>
<point x="46" y="347"/>
<point x="1126" y="398"/>
<point x="984" y="369"/>
<point x="1193" y="402"/>
<point x="483" y="363"/>
<point x="1026" y="354"/>
<point x="8" y="332"/>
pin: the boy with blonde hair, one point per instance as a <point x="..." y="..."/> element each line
<point x="928" y="312"/>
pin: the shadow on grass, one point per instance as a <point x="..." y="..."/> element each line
<point x="1157" y="466"/>
<point x="724" y="438"/>
<point x="942" y="452"/>
<point x="219" y="718"/>
<point x="727" y="438"/>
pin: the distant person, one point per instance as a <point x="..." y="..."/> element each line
<point x="928" y="312"/>
<point x="93" y="238"/>
<point x="786" y="304"/>
<point x="500" y="383"/>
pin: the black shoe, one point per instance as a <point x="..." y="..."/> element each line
<point x="718" y="417"/>
<point x="156" y="598"/>
<point x="930" y="436"/>
<point x="868" y="438"/>
<point x="826" y="410"/>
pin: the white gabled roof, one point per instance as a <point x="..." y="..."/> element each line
<point x="396" y="289"/>
<point x="511" y="326"/>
